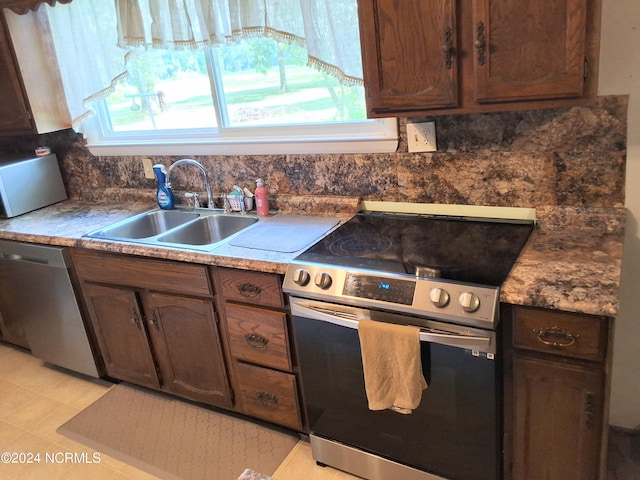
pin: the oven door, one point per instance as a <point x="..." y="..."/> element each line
<point x="455" y="433"/>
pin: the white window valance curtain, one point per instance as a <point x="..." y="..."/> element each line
<point x="93" y="40"/>
<point x="328" y="29"/>
<point x="83" y="38"/>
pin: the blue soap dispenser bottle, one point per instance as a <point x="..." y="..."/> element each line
<point x="164" y="195"/>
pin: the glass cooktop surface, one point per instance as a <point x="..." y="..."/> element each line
<point x="459" y="249"/>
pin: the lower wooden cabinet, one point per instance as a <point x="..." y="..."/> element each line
<point x="11" y="330"/>
<point x="268" y="394"/>
<point x="557" y="397"/>
<point x="256" y="325"/>
<point x="184" y="335"/>
<point x="258" y="336"/>
<point x="168" y="339"/>
<point x="11" y="324"/>
<point x="159" y="324"/>
<point x="558" y="418"/>
<point x="118" y="323"/>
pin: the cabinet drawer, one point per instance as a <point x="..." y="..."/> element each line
<point x="251" y="287"/>
<point x="268" y="394"/>
<point x="258" y="336"/>
<point x="562" y="333"/>
<point x="162" y="275"/>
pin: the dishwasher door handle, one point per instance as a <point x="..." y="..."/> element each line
<point x="22" y="258"/>
<point x="34" y="254"/>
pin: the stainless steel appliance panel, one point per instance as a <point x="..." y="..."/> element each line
<point x="28" y="183"/>
<point x="455" y="432"/>
<point x="36" y="290"/>
<point x="441" y="273"/>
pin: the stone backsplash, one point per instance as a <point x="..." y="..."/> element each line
<point x="557" y="157"/>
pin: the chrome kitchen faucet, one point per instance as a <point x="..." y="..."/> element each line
<point x="191" y="161"/>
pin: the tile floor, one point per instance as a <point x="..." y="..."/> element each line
<point x="36" y="399"/>
<point x="623" y="459"/>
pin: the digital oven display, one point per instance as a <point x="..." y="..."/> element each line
<point x="379" y="288"/>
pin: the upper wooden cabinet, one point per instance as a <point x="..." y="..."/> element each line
<point x="15" y="115"/>
<point x="445" y="57"/>
<point x="32" y="95"/>
<point x="404" y="65"/>
<point x="23" y="6"/>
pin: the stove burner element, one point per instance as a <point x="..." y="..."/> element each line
<point x="356" y="246"/>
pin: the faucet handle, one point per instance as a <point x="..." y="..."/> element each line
<point x="226" y="204"/>
<point x="196" y="202"/>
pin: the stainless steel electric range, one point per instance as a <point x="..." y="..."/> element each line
<point x="440" y="273"/>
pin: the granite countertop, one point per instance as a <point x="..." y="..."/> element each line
<point x="65" y="223"/>
<point x="571" y="262"/>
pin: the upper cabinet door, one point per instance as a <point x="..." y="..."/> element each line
<point x="409" y="54"/>
<point x="23" y="6"/>
<point x="15" y="116"/>
<point x="529" y="50"/>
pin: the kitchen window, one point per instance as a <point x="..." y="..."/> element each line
<point x="243" y="77"/>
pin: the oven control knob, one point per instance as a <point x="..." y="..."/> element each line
<point x="469" y="302"/>
<point x="439" y="297"/>
<point x="323" y="280"/>
<point x="301" y="277"/>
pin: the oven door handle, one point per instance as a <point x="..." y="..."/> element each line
<point x="349" y="317"/>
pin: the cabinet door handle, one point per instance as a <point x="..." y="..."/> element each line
<point x="589" y="410"/>
<point x="249" y="290"/>
<point x="267" y="399"/>
<point x="135" y="319"/>
<point x="154" y="321"/>
<point x="255" y="340"/>
<point x="480" y="43"/>
<point x="556" y="337"/>
<point x="447" y="47"/>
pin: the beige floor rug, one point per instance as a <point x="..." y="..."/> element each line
<point x="174" y="440"/>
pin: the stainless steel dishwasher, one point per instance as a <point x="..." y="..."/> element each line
<point x="36" y="293"/>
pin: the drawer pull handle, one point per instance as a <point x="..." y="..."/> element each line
<point x="255" y="340"/>
<point x="267" y="399"/>
<point x="556" y="337"/>
<point x="249" y="290"/>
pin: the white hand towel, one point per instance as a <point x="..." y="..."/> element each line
<point x="392" y="365"/>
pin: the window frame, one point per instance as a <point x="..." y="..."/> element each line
<point x="377" y="136"/>
<point x="367" y="136"/>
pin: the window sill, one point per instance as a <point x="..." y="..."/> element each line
<point x="381" y="137"/>
<point x="244" y="148"/>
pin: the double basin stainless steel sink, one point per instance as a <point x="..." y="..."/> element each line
<point x="200" y="229"/>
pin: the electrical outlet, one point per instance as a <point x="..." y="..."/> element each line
<point x="422" y="137"/>
<point x="147" y="164"/>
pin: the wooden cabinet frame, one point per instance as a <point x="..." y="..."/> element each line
<point x="23" y="6"/>
<point x="156" y="324"/>
<point x="15" y="112"/>
<point x="255" y="325"/>
<point x="556" y="384"/>
<point x="430" y="57"/>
